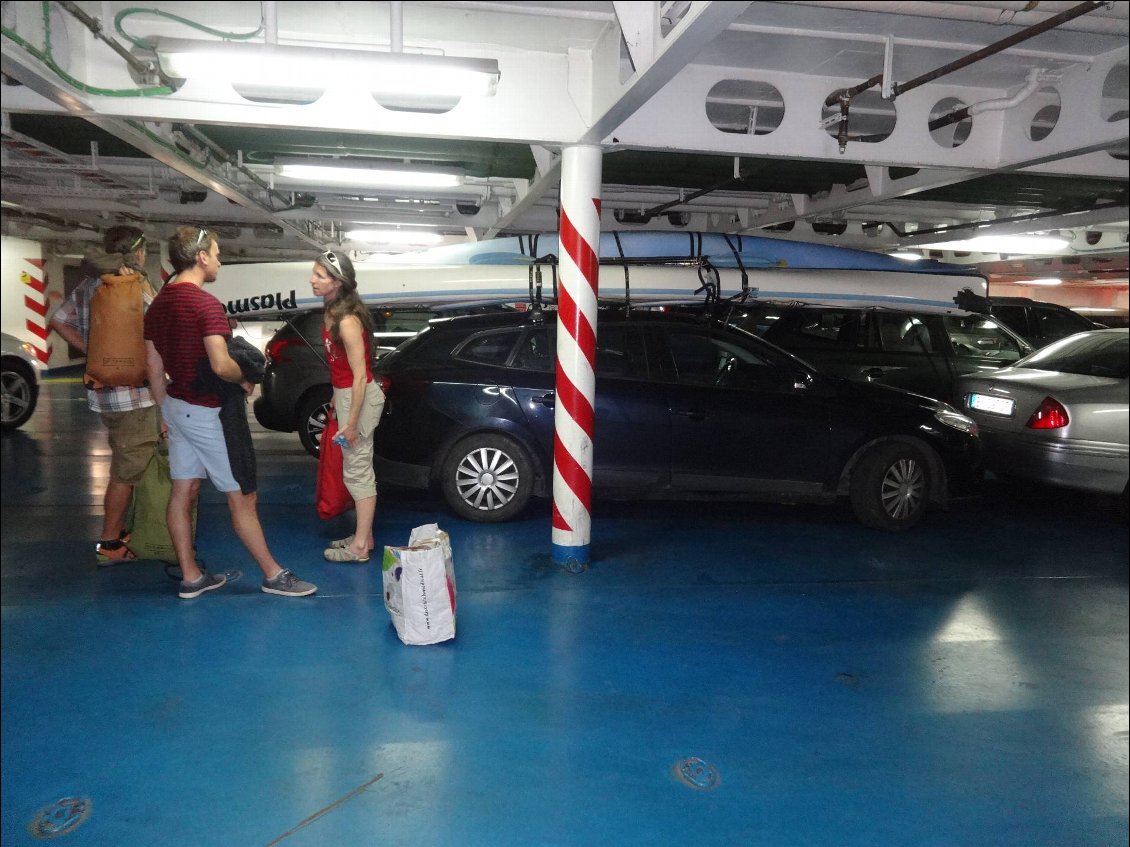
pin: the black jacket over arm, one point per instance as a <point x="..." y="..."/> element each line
<point x="233" y="408"/>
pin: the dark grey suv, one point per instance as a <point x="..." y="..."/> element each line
<point x="1037" y="322"/>
<point x="917" y="350"/>
<point x="295" y="394"/>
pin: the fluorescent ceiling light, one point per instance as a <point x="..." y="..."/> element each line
<point x="907" y="256"/>
<point x="275" y="71"/>
<point x="1046" y="281"/>
<point x="394" y="236"/>
<point x="357" y="173"/>
<point x="1003" y="244"/>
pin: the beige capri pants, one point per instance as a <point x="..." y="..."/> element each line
<point x="357" y="462"/>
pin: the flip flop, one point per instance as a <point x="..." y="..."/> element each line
<point x="343" y="554"/>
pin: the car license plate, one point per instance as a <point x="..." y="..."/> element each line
<point x="995" y="405"/>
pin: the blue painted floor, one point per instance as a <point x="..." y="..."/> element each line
<point x="961" y="685"/>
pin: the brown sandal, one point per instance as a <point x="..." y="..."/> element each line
<point x="111" y="552"/>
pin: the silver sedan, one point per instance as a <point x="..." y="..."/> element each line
<point x="1058" y="416"/>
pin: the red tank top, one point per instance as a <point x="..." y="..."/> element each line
<point x="341" y="375"/>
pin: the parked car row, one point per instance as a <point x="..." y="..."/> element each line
<point x="781" y="401"/>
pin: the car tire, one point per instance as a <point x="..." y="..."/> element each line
<point x="890" y="487"/>
<point x="487" y="478"/>
<point x="19" y="394"/>
<point x="311" y="417"/>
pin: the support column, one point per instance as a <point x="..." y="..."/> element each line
<point x="576" y="355"/>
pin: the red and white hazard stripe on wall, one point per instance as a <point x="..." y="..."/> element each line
<point x="576" y="355"/>
<point x="34" y="288"/>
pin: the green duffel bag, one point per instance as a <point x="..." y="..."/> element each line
<point x="150" y="533"/>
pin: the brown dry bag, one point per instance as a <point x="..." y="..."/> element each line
<point x="115" y="352"/>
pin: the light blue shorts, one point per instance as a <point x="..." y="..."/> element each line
<point x="197" y="449"/>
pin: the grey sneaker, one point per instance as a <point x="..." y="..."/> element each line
<point x="206" y="582"/>
<point x="288" y="585"/>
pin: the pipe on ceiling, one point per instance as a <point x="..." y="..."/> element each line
<point x="141" y="67"/>
<point x="1036" y="78"/>
<point x="844" y="96"/>
<point x="270" y="12"/>
<point x="1111" y="20"/>
<point x="396" y="26"/>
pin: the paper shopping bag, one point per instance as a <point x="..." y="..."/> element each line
<point x="419" y="586"/>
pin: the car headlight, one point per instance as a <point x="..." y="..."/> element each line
<point x="947" y="415"/>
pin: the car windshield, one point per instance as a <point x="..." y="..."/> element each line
<point x="1089" y="354"/>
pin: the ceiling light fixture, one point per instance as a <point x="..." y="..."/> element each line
<point x="1003" y="244"/>
<point x="302" y="73"/>
<point x="907" y="256"/>
<point x="1046" y="281"/>
<point x="369" y="174"/>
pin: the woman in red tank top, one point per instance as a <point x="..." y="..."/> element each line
<point x="347" y="334"/>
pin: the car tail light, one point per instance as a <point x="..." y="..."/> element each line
<point x="276" y="349"/>
<point x="1050" y="415"/>
<point x="383" y="381"/>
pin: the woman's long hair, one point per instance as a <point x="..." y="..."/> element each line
<point x="348" y="301"/>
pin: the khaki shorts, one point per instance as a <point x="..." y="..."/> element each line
<point x="133" y="440"/>
<point x="357" y="462"/>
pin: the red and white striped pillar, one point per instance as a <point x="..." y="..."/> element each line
<point x="576" y="355"/>
<point x="35" y="306"/>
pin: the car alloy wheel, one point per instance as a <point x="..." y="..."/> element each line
<point x="890" y="487"/>
<point x="18" y="398"/>
<point x="313" y="412"/>
<point x="487" y="478"/>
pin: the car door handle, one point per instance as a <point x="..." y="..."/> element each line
<point x="546" y="400"/>
<point x="693" y="414"/>
<point x="873" y="373"/>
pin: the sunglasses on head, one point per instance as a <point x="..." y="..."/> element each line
<point x="331" y="259"/>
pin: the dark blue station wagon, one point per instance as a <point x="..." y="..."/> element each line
<point x="686" y="408"/>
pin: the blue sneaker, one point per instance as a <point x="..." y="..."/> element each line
<point x="206" y="582"/>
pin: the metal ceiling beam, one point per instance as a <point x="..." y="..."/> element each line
<point x="1042" y="223"/>
<point x="612" y="102"/>
<point x="547" y="180"/>
<point x="880" y="187"/>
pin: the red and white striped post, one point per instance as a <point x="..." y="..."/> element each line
<point x="36" y="305"/>
<point x="576" y="355"/>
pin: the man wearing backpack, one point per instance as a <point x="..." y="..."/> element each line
<point x="124" y="404"/>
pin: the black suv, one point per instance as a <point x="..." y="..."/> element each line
<point x="296" y="391"/>
<point x="685" y="408"/>
<point x="1037" y="322"/>
<point x="918" y="350"/>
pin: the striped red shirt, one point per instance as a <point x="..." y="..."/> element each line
<point x="181" y="316"/>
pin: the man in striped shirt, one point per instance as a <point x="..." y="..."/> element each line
<point x="186" y="336"/>
<point x="128" y="412"/>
